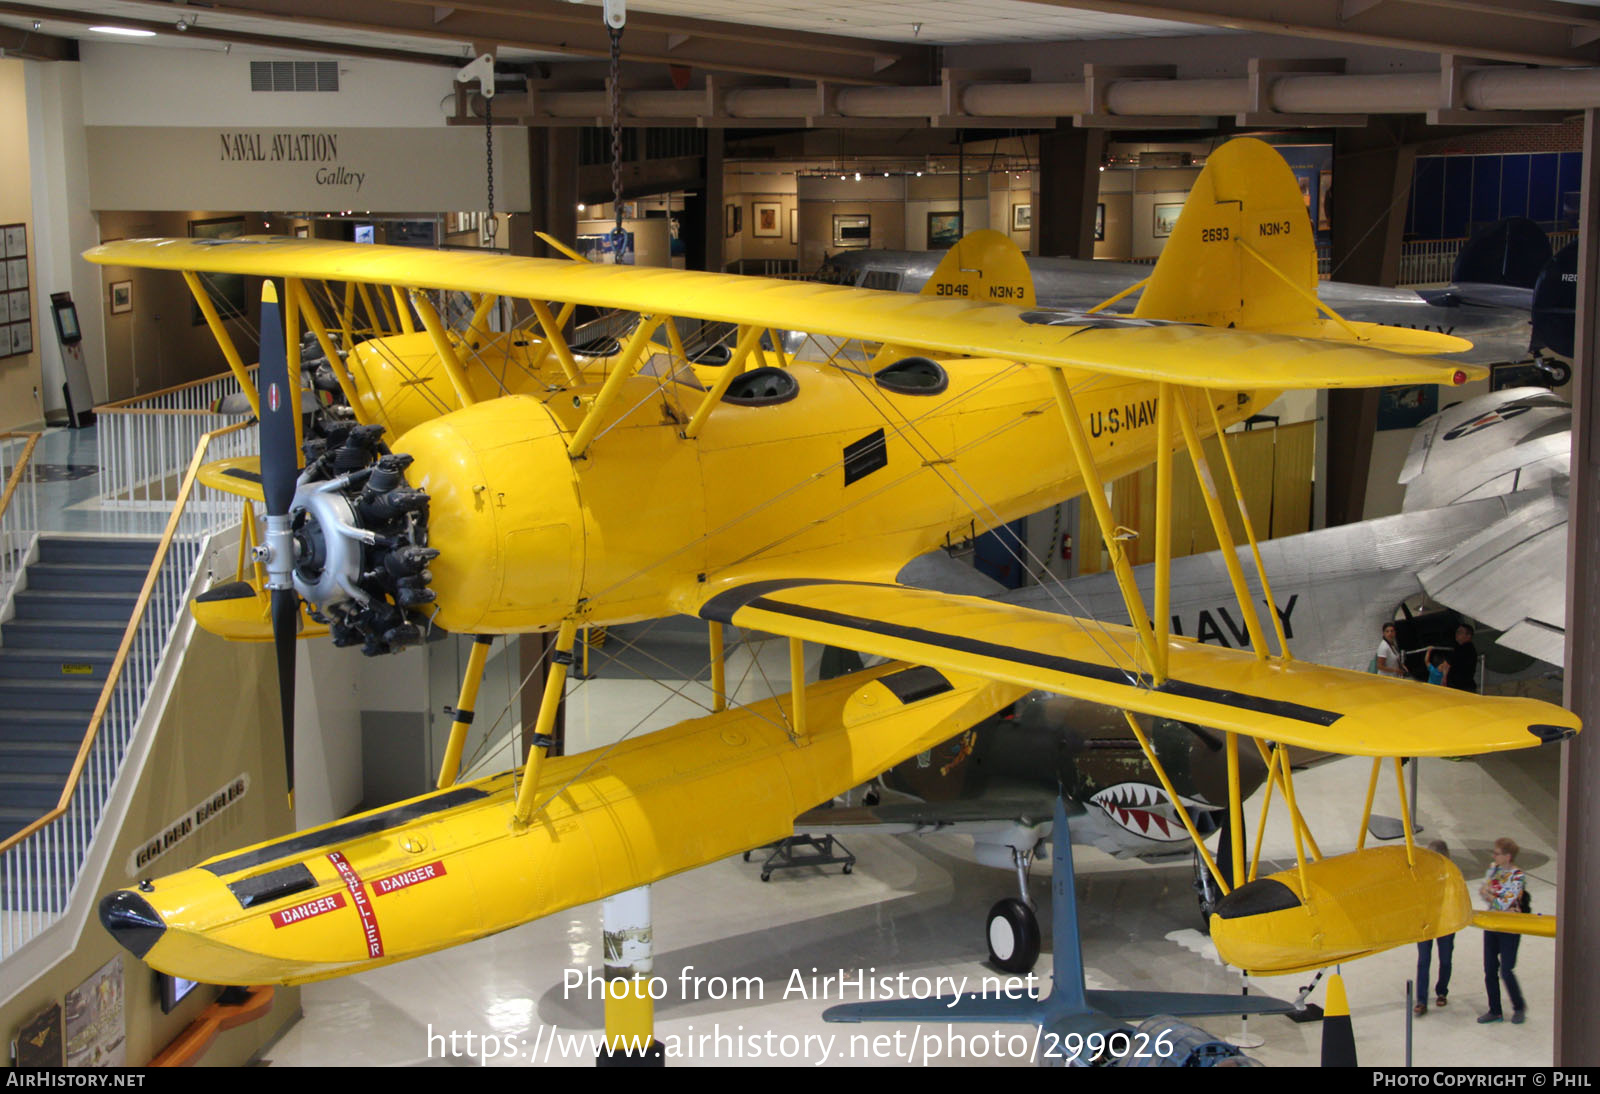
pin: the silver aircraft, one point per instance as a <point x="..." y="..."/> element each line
<point x="1494" y="316"/>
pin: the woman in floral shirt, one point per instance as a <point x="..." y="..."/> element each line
<point x="1502" y="890"/>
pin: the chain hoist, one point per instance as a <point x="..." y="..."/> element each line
<point x="491" y="227"/>
<point x="616" y="15"/>
<point x="482" y="70"/>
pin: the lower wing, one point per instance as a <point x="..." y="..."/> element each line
<point x="1293" y="703"/>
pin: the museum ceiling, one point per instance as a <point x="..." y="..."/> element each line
<point x="846" y="42"/>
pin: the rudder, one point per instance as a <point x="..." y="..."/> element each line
<point x="984" y="265"/>
<point x="1246" y="199"/>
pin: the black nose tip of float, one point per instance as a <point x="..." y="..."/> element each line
<point x="131" y="921"/>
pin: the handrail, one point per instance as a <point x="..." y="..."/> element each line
<point x="105" y="410"/>
<point x="114" y="673"/>
<point x="22" y="463"/>
<point x="122" y="404"/>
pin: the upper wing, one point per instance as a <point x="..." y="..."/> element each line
<point x="1192" y="355"/>
<point x="1308" y="706"/>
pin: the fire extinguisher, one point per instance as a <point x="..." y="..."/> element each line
<point x="1066" y="546"/>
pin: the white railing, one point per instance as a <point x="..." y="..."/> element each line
<point x="1428" y="261"/>
<point x="144" y="443"/>
<point x="40" y="865"/>
<point x="19" y="510"/>
<point x="1431" y="261"/>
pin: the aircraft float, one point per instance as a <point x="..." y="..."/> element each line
<point x="487" y="483"/>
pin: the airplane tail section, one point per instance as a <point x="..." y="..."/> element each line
<point x="1242" y="253"/>
<point x="984" y="265"/>
<point x="1508" y="252"/>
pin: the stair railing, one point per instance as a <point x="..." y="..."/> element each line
<point x="144" y="442"/>
<point x="19" y="511"/>
<point x="41" y="865"/>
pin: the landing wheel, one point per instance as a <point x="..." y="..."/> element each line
<point x="1013" y="936"/>
<point x="1559" y="372"/>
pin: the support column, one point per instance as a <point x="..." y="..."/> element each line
<point x="1577" y="988"/>
<point x="553" y="197"/>
<point x="703" y="241"/>
<point x="1069" y="189"/>
<point x="629" y="957"/>
<point x="1371" y="186"/>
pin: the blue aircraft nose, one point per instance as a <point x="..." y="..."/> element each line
<point x="131" y="921"/>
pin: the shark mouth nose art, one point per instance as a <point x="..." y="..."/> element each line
<point x="1146" y="810"/>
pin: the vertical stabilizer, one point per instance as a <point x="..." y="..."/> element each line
<point x="984" y="265"/>
<point x="1246" y="200"/>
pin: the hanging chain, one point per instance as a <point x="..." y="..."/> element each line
<point x="616" y="140"/>
<point x="491" y="226"/>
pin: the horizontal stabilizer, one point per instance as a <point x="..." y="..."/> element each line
<point x="241" y="611"/>
<point x="239" y="476"/>
<point x="1540" y="926"/>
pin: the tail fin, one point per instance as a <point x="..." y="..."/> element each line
<point x="1246" y="195"/>
<point x="984" y="265"/>
<point x="1555" y="303"/>
<point x="1507" y="252"/>
<point x="1243" y="255"/>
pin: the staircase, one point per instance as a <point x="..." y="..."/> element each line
<point x="54" y="656"/>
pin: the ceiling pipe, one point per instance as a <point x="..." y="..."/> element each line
<point x="1483" y="89"/>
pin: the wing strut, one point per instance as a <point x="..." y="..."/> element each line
<point x="1250" y="532"/>
<point x="626" y="365"/>
<point x="1094" y="490"/>
<point x="555" y="687"/>
<point x="749" y="338"/>
<point x="554" y="339"/>
<point x="1219" y="521"/>
<point x="441" y="345"/>
<point x="230" y="352"/>
<point x="1177" y="803"/>
<point x="297" y="289"/>
<point x="465" y="706"/>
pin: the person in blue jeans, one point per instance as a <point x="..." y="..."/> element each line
<point x="1502" y="889"/>
<point x="1447" y="949"/>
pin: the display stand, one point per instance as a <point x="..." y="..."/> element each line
<point x="803" y="850"/>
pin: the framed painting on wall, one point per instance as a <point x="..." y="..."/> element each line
<point x="1166" y="218"/>
<point x="121" y="297"/>
<point x="1022" y="217"/>
<point x="1100" y="222"/>
<point x="733" y="220"/>
<point x="852" y="230"/>
<point x="766" y="219"/>
<point x="794" y="225"/>
<point x="944" y="229"/>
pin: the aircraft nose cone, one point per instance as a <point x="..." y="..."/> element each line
<point x="131" y="921"/>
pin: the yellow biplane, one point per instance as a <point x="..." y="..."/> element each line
<point x="487" y="482"/>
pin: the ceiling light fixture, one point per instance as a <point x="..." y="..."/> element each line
<point x="126" y="32"/>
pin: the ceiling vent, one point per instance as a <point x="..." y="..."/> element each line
<point x="294" y="75"/>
